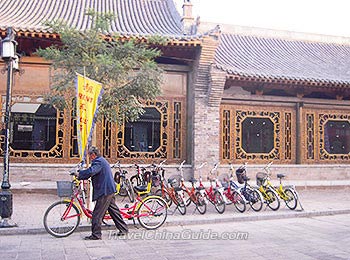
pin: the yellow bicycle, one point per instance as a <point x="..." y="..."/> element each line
<point x="123" y="185"/>
<point x="287" y="193"/>
<point x="267" y="190"/>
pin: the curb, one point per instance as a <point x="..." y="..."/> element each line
<point x="268" y="216"/>
<point x="299" y="186"/>
<point x="197" y="221"/>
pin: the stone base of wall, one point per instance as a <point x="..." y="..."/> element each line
<point x="317" y="172"/>
<point x="48" y="172"/>
<point x="52" y="173"/>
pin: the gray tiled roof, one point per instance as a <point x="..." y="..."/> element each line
<point x="282" y="59"/>
<point x="134" y="17"/>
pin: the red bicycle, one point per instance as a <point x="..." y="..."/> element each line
<point x="63" y="217"/>
<point x="215" y="195"/>
<point x="233" y="195"/>
<point x="171" y="192"/>
<point x="194" y="194"/>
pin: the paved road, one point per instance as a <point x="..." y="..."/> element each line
<point x="300" y="238"/>
<point x="29" y="208"/>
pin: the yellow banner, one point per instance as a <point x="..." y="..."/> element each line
<point x="89" y="93"/>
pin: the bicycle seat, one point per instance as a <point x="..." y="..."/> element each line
<point x="200" y="188"/>
<point x="172" y="181"/>
<point x="192" y="180"/>
<point x="225" y="185"/>
<point x="177" y="188"/>
<point x="280" y="175"/>
<point x="141" y="188"/>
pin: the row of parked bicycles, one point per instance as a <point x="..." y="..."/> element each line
<point x="218" y="190"/>
<point x="150" y="194"/>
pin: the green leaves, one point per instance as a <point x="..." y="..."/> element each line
<point x="127" y="70"/>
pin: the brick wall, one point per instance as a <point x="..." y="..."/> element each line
<point x="208" y="88"/>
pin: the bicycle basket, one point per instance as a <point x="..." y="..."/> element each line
<point x="241" y="175"/>
<point x="156" y="180"/>
<point x="174" y="181"/>
<point x="224" y="179"/>
<point x="64" y="188"/>
<point x="261" y="178"/>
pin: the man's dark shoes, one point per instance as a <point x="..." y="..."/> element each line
<point x="91" y="237"/>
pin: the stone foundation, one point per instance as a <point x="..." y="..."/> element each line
<point x="48" y="172"/>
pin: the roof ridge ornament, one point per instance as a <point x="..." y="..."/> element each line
<point x="187" y="18"/>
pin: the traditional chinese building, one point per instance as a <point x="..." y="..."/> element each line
<point x="230" y="94"/>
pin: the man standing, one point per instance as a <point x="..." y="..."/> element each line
<point x="103" y="193"/>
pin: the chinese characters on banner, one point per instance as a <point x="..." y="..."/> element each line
<point x="89" y="93"/>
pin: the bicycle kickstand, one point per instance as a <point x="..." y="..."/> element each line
<point x="105" y="223"/>
<point x="133" y="220"/>
<point x="175" y="210"/>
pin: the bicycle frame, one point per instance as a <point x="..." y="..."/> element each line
<point x="150" y="211"/>
<point x="190" y="191"/>
<point x="280" y="192"/>
<point x="268" y="185"/>
<point x="217" y="187"/>
<point x="267" y="190"/>
<point x="229" y="194"/>
<point x="126" y="212"/>
<point x="170" y="191"/>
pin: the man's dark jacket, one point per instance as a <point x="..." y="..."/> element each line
<point x="101" y="176"/>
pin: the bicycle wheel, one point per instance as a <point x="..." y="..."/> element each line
<point x="130" y="191"/>
<point x="54" y="223"/>
<point x="181" y="206"/>
<point x="292" y="200"/>
<point x="219" y="202"/>
<point x="164" y="195"/>
<point x="187" y="198"/>
<point x="200" y="203"/>
<point x="239" y="202"/>
<point x="152" y="213"/>
<point x="272" y="200"/>
<point x="254" y="199"/>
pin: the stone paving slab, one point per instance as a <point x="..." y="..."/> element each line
<point x="29" y="208"/>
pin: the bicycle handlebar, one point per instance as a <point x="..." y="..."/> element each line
<point x="182" y="164"/>
<point x="201" y="166"/>
<point x="117" y="164"/>
<point x="216" y="165"/>
<point x="77" y="167"/>
<point x="267" y="167"/>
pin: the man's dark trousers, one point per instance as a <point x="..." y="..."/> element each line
<point x="103" y="204"/>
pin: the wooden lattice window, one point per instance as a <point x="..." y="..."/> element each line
<point x="226" y="143"/>
<point x="73" y="141"/>
<point x="310" y="136"/>
<point x="146" y="137"/>
<point x="36" y="130"/>
<point x="257" y="135"/>
<point x="143" y="135"/>
<point x="334" y="136"/>
<point x="288" y="135"/>
<point x="106" y="138"/>
<point x="337" y="137"/>
<point x="177" y="130"/>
